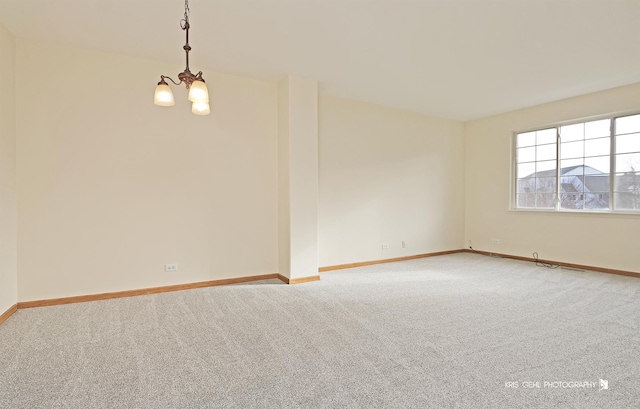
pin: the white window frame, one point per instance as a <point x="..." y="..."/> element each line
<point x="612" y="156"/>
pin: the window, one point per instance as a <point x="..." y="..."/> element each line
<point x="593" y="165"/>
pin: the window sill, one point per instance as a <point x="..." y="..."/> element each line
<point x="577" y="212"/>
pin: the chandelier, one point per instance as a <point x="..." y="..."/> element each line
<point x="198" y="93"/>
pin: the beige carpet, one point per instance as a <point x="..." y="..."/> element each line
<point x="442" y="332"/>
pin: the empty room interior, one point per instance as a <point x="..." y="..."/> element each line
<point x="365" y="203"/>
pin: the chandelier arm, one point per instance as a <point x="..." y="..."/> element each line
<point x="171" y="79"/>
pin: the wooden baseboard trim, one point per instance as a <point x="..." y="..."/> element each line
<point x="299" y="280"/>
<point x="388" y="260"/>
<point x="144" y="291"/>
<point x="5" y="315"/>
<point x="560" y="263"/>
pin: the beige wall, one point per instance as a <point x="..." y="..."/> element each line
<point x="607" y="240"/>
<point x="387" y="175"/>
<point x="112" y="187"/>
<point x="8" y="217"/>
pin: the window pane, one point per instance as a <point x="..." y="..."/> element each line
<point x="599" y="164"/>
<point x="628" y="143"/>
<point x="526" y="139"/>
<point x="546" y="136"/>
<point x="566" y="164"/>
<point x="627" y="201"/>
<point x="597" y="129"/>
<point x="596" y="183"/>
<point x="525" y="169"/>
<point x="628" y="162"/>
<point x="545" y="152"/>
<point x="546" y="185"/>
<point x="597" y="147"/>
<point x="536" y="161"/>
<point x="572" y="150"/>
<point x="569" y="200"/>
<point x="572" y="133"/>
<point x="627" y="182"/>
<point x="628" y="124"/>
<point x="596" y="201"/>
<point x="526" y="154"/>
<point x="592" y="171"/>
<point x="627" y="191"/>
<point x="575" y="192"/>
<point x="527" y="200"/>
<point x="526" y="185"/>
<point x="549" y="165"/>
<point x="545" y="200"/>
<point x="572" y="184"/>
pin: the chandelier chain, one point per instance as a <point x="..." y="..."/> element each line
<point x="185" y="21"/>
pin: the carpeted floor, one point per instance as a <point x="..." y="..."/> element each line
<point x="441" y="332"/>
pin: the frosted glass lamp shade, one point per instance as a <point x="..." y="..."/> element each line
<point x="200" y="108"/>
<point x="163" y="96"/>
<point x="198" y="92"/>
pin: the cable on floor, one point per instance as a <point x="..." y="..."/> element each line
<point x="542" y="264"/>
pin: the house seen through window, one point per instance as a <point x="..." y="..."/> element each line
<point x="592" y="165"/>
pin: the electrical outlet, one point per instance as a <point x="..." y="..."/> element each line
<point x="404" y="244"/>
<point x="385" y="246"/>
<point x="171" y="267"/>
<point x="495" y="241"/>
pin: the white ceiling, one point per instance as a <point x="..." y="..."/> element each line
<point x="459" y="59"/>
